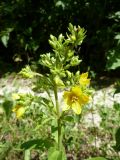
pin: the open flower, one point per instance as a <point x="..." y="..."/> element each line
<point x="19" y="110"/>
<point x="84" y="81"/>
<point x="75" y="99"/>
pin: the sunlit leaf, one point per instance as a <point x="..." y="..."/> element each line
<point x="113" y="59"/>
<point x="37" y="143"/>
<point x="5" y="39"/>
<point x="54" y="154"/>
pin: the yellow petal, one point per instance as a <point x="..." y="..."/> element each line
<point x="85" y="98"/>
<point x="19" y="110"/>
<point x="76" y="107"/>
<point x="65" y="107"/>
<point x="15" y="108"/>
<point x="83" y="79"/>
<point x="66" y="94"/>
<point x="76" y="91"/>
<point x="67" y="97"/>
<point x="84" y="75"/>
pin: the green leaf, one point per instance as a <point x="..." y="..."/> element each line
<point x="117" y="138"/>
<point x="37" y="144"/>
<point x="7" y="106"/>
<point x="113" y="59"/>
<point x="5" y="36"/>
<point x="97" y="158"/>
<point x="69" y="118"/>
<point x="5" y="39"/>
<point x="54" y="154"/>
<point x="60" y="4"/>
<point x="117" y="87"/>
<point x="117" y="106"/>
<point x="54" y="130"/>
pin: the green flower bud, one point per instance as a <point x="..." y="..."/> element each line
<point x="61" y="37"/>
<point x="27" y="72"/>
<point x="70" y="53"/>
<point x="75" y="61"/>
<point x="77" y="73"/>
<point x="73" y="38"/>
<point x="52" y="44"/>
<point x="69" y="74"/>
<point x="58" y="81"/>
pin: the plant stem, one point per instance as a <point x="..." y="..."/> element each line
<point x="27" y="154"/>
<point x="58" y="117"/>
<point x="59" y="135"/>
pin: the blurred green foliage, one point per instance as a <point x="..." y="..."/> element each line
<point x="25" y="26"/>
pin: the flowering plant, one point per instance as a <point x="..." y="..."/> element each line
<point x="74" y="86"/>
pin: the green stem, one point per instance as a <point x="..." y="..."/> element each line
<point x="59" y="134"/>
<point x="58" y="117"/>
<point x="27" y="154"/>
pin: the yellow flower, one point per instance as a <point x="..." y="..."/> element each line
<point x="84" y="81"/>
<point x="75" y="99"/>
<point x="19" y="110"/>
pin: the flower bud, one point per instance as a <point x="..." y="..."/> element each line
<point x="74" y="61"/>
<point x="73" y="38"/>
<point x="58" y="81"/>
<point x="69" y="74"/>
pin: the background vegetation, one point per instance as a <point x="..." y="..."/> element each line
<point x="25" y="26"/>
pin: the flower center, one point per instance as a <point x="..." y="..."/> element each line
<point x="74" y="98"/>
